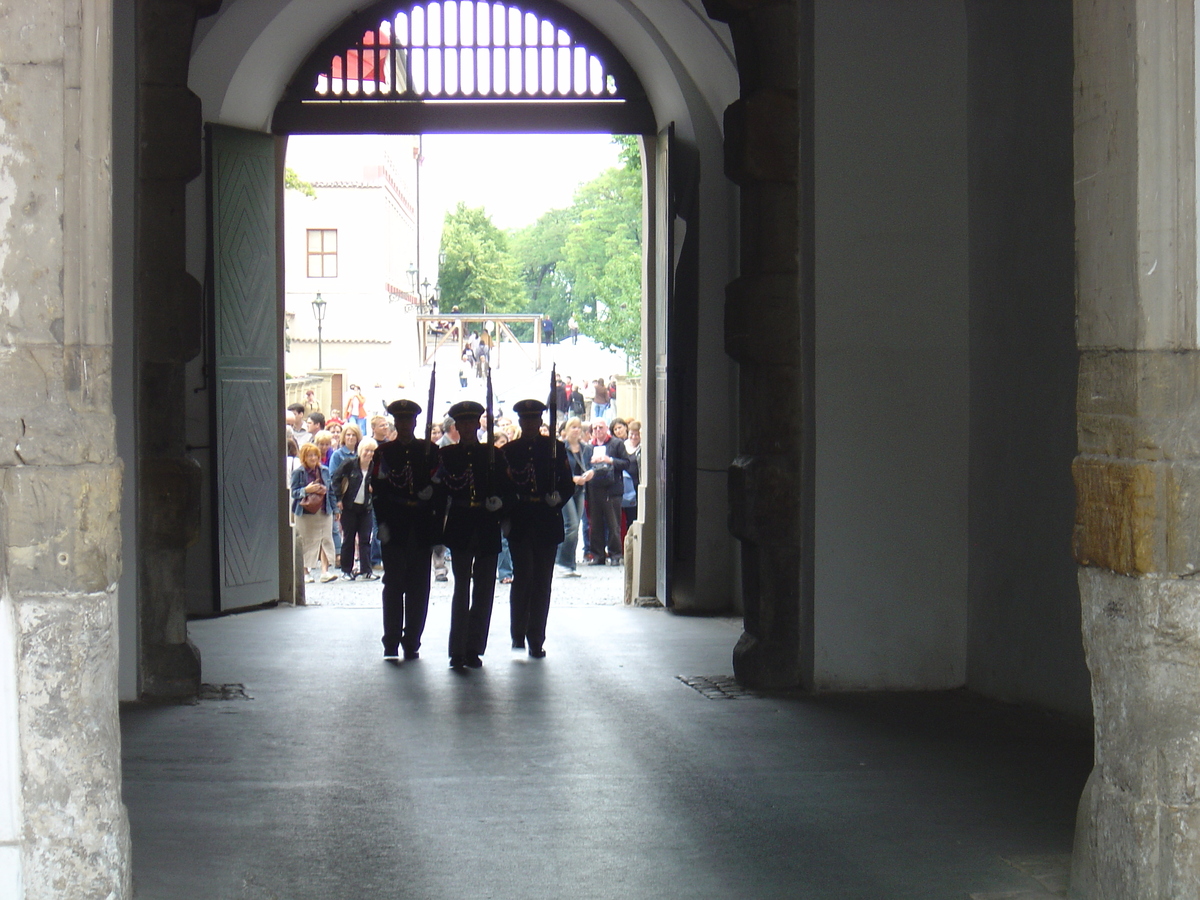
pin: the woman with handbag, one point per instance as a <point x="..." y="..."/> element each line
<point x="313" y="505"/>
<point x="351" y="438"/>
<point x="352" y="481"/>
<point x="579" y="458"/>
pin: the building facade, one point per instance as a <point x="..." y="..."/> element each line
<point x="354" y="243"/>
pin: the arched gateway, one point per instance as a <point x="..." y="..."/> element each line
<point x="445" y="67"/>
<point x="464" y="65"/>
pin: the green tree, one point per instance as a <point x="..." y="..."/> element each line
<point x="477" y="274"/>
<point x="630" y="153"/>
<point x="602" y="256"/>
<point x="538" y="250"/>
<point x="293" y="182"/>
<point x="586" y="260"/>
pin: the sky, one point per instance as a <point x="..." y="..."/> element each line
<point x="515" y="177"/>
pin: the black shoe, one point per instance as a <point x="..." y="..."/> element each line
<point x="411" y="654"/>
<point x="595" y="561"/>
<point x="474" y="662"/>
<point x="518" y="644"/>
<point x="457" y="663"/>
<point x="441" y="576"/>
<point x="537" y="652"/>
<point x="391" y="652"/>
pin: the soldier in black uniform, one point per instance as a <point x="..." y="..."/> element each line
<point x="473" y="484"/>
<point x="408" y="525"/>
<point x="542" y="480"/>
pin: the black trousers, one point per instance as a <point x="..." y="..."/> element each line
<point x="405" y="589"/>
<point x="357" y="524"/>
<point x="471" y="606"/>
<point x="604" y="508"/>
<point x="529" y="599"/>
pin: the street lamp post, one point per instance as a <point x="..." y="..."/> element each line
<point x="414" y="287"/>
<point x="318" y="307"/>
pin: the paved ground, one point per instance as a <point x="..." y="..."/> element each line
<point x="595" y="586"/>
<point x="595" y="773"/>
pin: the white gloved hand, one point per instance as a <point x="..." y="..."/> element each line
<point x="493" y="503"/>
<point x="553" y="499"/>
<point x="425" y="493"/>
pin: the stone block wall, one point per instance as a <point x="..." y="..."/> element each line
<point x="63" y="829"/>
<point x="1137" y="475"/>
<point x="769" y="155"/>
<point x="168" y="317"/>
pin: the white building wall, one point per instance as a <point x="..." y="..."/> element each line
<point x="367" y="334"/>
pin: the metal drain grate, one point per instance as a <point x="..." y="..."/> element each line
<point x="716" y="687"/>
<point x="223" y="692"/>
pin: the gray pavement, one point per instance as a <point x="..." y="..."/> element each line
<point x="595" y="586"/>
<point x="594" y="773"/>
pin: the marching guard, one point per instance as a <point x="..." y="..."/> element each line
<point x="474" y="485"/>
<point x="408" y="525"/>
<point x="541" y="478"/>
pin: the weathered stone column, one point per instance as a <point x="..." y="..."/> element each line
<point x="1137" y="476"/>
<point x="63" y="830"/>
<point x="768" y="154"/>
<point x="168" y="311"/>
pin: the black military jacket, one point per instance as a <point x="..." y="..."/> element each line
<point x="535" y="471"/>
<point x="399" y="474"/>
<point x="465" y="479"/>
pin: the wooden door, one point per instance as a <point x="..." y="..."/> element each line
<point x="244" y="366"/>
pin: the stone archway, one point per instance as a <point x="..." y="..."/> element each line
<point x="167" y="314"/>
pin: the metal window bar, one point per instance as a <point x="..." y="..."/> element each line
<point x="468" y="49"/>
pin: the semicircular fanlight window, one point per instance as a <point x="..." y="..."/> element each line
<point x="464" y="49"/>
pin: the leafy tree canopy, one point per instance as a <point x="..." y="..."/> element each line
<point x="293" y="182"/>
<point x="477" y="274"/>
<point x="602" y="259"/>
<point x="583" y="261"/>
<point x="586" y="260"/>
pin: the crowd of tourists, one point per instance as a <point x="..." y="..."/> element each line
<point x="368" y="493"/>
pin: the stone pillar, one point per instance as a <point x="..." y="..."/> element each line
<point x="168" y="321"/>
<point x="769" y="331"/>
<point x="1137" y="476"/>
<point x="63" y="829"/>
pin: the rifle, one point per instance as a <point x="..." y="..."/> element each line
<point x="429" y="420"/>
<point x="491" y="434"/>
<point x="553" y="425"/>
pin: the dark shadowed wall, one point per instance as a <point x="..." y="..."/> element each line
<point x="1024" y="629"/>
<point x="892" y="344"/>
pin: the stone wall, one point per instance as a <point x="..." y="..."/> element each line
<point x="1137" y="475"/>
<point x="769" y="155"/>
<point x="63" y="830"/>
<point x="168" y="326"/>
